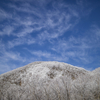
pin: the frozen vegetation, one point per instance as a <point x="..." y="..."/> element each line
<point x="50" y="81"/>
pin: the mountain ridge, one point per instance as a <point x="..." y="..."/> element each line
<point x="47" y="74"/>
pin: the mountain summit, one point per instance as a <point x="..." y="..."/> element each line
<point x="50" y="81"/>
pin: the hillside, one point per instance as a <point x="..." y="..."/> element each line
<point x="50" y="81"/>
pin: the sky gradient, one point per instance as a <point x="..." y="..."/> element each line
<point x="49" y="30"/>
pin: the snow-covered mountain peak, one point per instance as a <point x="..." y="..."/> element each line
<point x="45" y="76"/>
<point x="45" y="70"/>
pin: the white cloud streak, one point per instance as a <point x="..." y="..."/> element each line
<point x="7" y="30"/>
<point x="74" y="48"/>
<point x="54" y="23"/>
<point x="19" y="41"/>
<point x="41" y="54"/>
<point x="25" y="20"/>
<point x="47" y="55"/>
<point x="4" y="15"/>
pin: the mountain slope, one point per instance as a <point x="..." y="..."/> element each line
<point x="48" y="81"/>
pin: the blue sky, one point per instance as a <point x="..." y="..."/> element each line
<point x="49" y="30"/>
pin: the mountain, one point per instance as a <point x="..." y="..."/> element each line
<point x="50" y="81"/>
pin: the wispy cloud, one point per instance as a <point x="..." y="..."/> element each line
<point x="20" y="41"/>
<point x="95" y="31"/>
<point x="27" y="8"/>
<point x="74" y="48"/>
<point x="9" y="55"/>
<point x="24" y="31"/>
<point x="7" y="30"/>
<point x="54" y="25"/>
<point x="55" y="19"/>
<point x="50" y="30"/>
<point x="4" y="68"/>
<point x="42" y="54"/>
<point x="48" y="56"/>
<point x="4" y="15"/>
